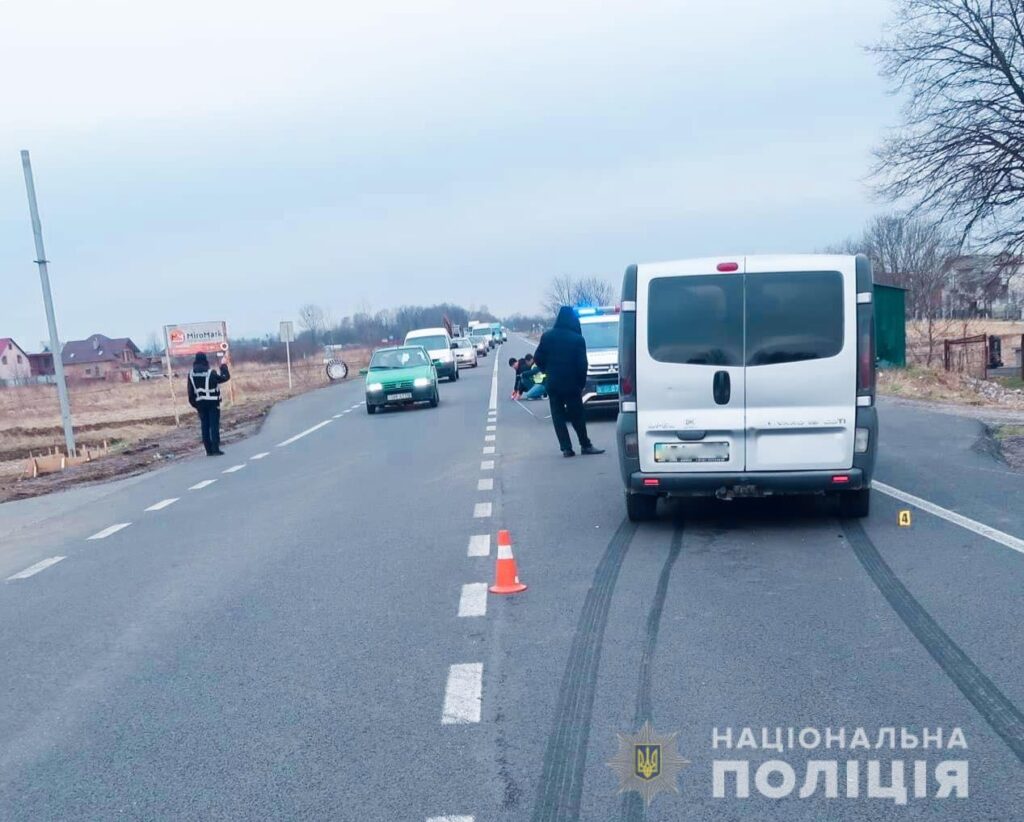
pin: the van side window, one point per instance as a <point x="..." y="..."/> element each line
<point x="696" y="320"/>
<point x="793" y="317"/>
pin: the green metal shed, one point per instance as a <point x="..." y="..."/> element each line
<point x="891" y="324"/>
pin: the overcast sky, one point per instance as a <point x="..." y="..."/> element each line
<point x="214" y="159"/>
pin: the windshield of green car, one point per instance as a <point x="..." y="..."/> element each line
<point x="398" y="358"/>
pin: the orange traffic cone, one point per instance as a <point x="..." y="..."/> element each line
<point x="506" y="573"/>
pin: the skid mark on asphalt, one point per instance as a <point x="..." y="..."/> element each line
<point x="565" y="755"/>
<point x="42" y="565"/>
<point x="1010" y="541"/>
<point x="1001" y="715"/>
<point x="632" y="808"/>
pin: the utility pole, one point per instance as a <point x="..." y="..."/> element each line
<point x="51" y="321"/>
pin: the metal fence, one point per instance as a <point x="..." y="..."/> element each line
<point x="968" y="355"/>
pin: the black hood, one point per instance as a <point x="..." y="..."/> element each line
<point x="201" y="363"/>
<point x="568" y="320"/>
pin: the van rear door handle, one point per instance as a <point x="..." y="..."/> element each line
<point x="721" y="387"/>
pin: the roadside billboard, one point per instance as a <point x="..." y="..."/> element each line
<point x="189" y="339"/>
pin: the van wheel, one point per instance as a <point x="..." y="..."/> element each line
<point x="854" y="504"/>
<point x="641" y="507"/>
<point x="371" y="409"/>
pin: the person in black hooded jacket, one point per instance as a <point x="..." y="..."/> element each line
<point x="562" y="355"/>
<point x="204" y="396"/>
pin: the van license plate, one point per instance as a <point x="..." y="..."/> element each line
<point x="403" y="396"/>
<point x="691" y="452"/>
<point x="609" y="388"/>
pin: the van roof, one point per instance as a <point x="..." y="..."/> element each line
<point x="783" y="262"/>
<point x="426" y="332"/>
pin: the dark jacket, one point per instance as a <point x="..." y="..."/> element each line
<point x="199" y="368"/>
<point x="562" y="354"/>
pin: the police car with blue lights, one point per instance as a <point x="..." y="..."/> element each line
<point x="600" y="326"/>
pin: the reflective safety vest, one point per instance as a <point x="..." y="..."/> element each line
<point x="204" y="394"/>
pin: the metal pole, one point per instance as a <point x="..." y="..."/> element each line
<point x="51" y="321"/>
<point x="170" y="378"/>
<point x="288" y="354"/>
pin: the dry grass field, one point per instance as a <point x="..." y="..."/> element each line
<point x="129" y="415"/>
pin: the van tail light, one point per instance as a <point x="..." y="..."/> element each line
<point x="631" y="446"/>
<point x="840" y="479"/>
<point x="652" y="483"/>
<point x="861" y="440"/>
<point x="865" y="350"/>
<point x="627" y="358"/>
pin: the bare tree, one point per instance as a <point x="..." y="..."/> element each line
<point x="314" y="319"/>
<point x="959" y="153"/>
<point x="565" y="290"/>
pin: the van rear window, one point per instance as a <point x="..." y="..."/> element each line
<point x="792" y="317"/>
<point x="696" y="320"/>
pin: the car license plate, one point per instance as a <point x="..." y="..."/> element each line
<point x="691" y="452"/>
<point x="405" y="395"/>
<point x="610" y="388"/>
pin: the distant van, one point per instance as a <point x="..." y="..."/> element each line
<point x="747" y="377"/>
<point x="439" y="345"/>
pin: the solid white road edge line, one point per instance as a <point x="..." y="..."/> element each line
<point x="487" y="465"/>
<point x="481" y="510"/>
<point x="201" y="485"/>
<point x="110" y="529"/>
<point x="479" y="545"/>
<point x="260" y="455"/>
<point x="234" y="468"/>
<point x="159" y="506"/>
<point x="473" y="601"/>
<point x="302" y="434"/>
<point x="42" y="565"/>
<point x="1008" y="540"/>
<point x="463" y="694"/>
<point x="486" y="484"/>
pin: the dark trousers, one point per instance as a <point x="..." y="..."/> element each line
<point x="568" y="407"/>
<point x="209" y="424"/>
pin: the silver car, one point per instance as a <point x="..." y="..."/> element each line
<point x="482" y="344"/>
<point x="465" y="352"/>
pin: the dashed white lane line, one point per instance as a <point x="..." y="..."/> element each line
<point x="463" y="694"/>
<point x="199" y="486"/>
<point x="306" y="433"/>
<point x="110" y="529"/>
<point x="339" y="416"/>
<point x="449" y="819"/>
<point x="485" y="484"/>
<point x="479" y="545"/>
<point x="482" y="510"/>
<point x="473" y="601"/>
<point x="488" y="449"/>
<point x="260" y="455"/>
<point x="487" y="465"/>
<point x="1010" y="541"/>
<point x="159" y="506"/>
<point x="490" y="437"/>
<point x="492" y="428"/>
<point x="234" y="468"/>
<point x="32" y="570"/>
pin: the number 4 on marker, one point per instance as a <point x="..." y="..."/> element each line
<point x="904" y="518"/>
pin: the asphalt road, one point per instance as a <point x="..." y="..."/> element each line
<point x="305" y="637"/>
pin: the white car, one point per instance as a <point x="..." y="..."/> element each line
<point x="748" y="377"/>
<point x="600" y="328"/>
<point x="465" y="352"/>
<point x="440" y="347"/>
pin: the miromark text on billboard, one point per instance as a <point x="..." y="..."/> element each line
<point x="188" y="339"/>
<point x="896" y="779"/>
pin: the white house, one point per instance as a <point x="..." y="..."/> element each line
<point x="14" y="364"/>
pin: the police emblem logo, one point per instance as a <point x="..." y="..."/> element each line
<point x="647" y="763"/>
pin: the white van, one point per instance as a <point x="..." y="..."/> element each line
<point x="439" y="345"/>
<point x="600" y="326"/>
<point x="747" y="376"/>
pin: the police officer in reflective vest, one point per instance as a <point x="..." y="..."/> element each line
<point x="204" y="396"/>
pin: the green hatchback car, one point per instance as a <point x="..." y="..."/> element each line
<point x="400" y="376"/>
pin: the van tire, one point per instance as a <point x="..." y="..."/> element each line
<point x="854" y="504"/>
<point x="641" y="507"/>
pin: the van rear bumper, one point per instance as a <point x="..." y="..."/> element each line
<point x="745" y="484"/>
